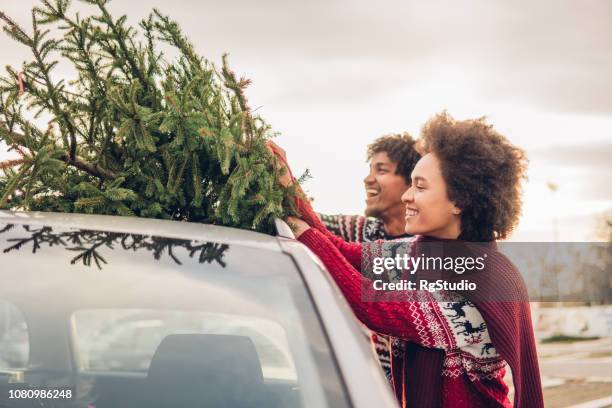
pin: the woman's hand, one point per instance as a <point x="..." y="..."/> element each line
<point x="277" y="150"/>
<point x="297" y="225"/>
<point x="285" y="176"/>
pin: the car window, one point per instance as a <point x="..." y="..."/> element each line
<point x="126" y="340"/>
<point x="14" y="337"/>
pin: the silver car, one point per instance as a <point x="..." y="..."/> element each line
<point x="112" y="312"/>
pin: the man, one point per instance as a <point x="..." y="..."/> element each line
<point x="391" y="159"/>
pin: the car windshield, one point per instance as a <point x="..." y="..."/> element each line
<point x="131" y="320"/>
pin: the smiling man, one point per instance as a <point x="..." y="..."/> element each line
<point x="391" y="159"/>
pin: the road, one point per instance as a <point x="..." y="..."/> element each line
<point x="577" y="373"/>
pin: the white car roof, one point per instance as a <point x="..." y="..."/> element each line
<point x="144" y="226"/>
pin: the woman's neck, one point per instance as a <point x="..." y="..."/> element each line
<point x="432" y="238"/>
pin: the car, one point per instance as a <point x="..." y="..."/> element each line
<point x="111" y="312"/>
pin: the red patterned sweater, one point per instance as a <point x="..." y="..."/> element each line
<point x="471" y="370"/>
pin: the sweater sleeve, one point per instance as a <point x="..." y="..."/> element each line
<point x="335" y="225"/>
<point x="412" y="316"/>
<point x="350" y="250"/>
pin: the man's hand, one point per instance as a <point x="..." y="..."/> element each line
<point x="298" y="226"/>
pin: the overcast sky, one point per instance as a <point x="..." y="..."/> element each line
<point x="333" y="75"/>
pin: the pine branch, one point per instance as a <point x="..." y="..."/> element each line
<point x="120" y="35"/>
<point x="11" y="163"/>
<point x="238" y="88"/>
<point x="14" y="30"/>
<point x="77" y="162"/>
<point x="40" y="51"/>
<point x="91" y="169"/>
<point x="63" y="91"/>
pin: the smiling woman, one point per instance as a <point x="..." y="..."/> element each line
<point x="450" y="349"/>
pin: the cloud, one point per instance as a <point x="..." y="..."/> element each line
<point x="581" y="170"/>
<point x="548" y="54"/>
<point x="594" y="156"/>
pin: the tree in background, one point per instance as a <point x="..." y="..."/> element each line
<point x="136" y="133"/>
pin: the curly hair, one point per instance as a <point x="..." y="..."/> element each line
<point x="401" y="149"/>
<point x="483" y="173"/>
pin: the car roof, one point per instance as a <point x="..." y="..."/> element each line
<point x="144" y="226"/>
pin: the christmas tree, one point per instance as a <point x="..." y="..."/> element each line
<point x="136" y="132"/>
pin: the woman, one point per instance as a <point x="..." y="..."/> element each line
<point x="449" y="348"/>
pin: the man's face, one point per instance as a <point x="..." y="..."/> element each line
<point x="384" y="189"/>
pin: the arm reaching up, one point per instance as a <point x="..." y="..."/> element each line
<point x="309" y="218"/>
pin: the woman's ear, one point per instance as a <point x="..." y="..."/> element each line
<point x="456" y="210"/>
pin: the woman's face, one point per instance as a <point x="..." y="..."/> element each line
<point x="428" y="209"/>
